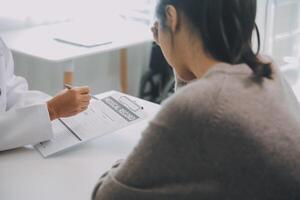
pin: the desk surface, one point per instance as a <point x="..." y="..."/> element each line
<point x="39" y="41"/>
<point x="71" y="174"/>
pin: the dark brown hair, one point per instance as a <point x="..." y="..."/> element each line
<point x="225" y="27"/>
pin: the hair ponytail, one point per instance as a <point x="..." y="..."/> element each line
<point x="225" y="28"/>
<point x="259" y="68"/>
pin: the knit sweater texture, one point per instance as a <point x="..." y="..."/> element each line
<point x="226" y="136"/>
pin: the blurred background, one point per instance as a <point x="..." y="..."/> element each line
<point x="278" y="21"/>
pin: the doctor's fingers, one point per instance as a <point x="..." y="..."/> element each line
<point x="82" y="90"/>
<point x="84" y="108"/>
<point x="85" y="98"/>
<point x="79" y="110"/>
<point x="83" y="104"/>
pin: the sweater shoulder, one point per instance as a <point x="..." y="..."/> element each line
<point x="196" y="101"/>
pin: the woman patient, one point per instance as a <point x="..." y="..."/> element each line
<point x="232" y="132"/>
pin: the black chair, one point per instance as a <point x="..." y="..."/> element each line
<point x="157" y="83"/>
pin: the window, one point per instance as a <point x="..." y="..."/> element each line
<point x="283" y="30"/>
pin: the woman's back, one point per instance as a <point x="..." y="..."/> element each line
<point x="228" y="135"/>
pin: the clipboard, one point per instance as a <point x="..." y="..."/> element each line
<point x="106" y="115"/>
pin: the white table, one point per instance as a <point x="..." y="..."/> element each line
<point x="38" y="42"/>
<point x="72" y="174"/>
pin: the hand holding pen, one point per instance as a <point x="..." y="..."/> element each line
<point x="71" y="87"/>
<point x="69" y="102"/>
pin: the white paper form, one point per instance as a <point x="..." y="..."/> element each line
<point x="103" y="116"/>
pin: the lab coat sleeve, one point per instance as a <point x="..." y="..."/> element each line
<point x="23" y="126"/>
<point x="26" y="120"/>
<point x="18" y="94"/>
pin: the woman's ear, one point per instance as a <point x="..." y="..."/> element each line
<point x="172" y="18"/>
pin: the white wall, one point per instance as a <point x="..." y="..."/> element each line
<point x="100" y="72"/>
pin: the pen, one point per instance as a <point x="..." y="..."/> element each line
<point x="70" y="87"/>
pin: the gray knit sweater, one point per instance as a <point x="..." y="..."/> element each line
<point x="224" y="137"/>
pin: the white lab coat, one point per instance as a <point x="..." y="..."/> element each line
<point x="24" y="117"/>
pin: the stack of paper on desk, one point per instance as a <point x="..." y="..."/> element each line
<point x="103" y="116"/>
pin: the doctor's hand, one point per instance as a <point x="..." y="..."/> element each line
<point x="69" y="102"/>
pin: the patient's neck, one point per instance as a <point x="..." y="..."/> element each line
<point x="196" y="64"/>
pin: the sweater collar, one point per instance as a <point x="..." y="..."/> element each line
<point x="227" y="68"/>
